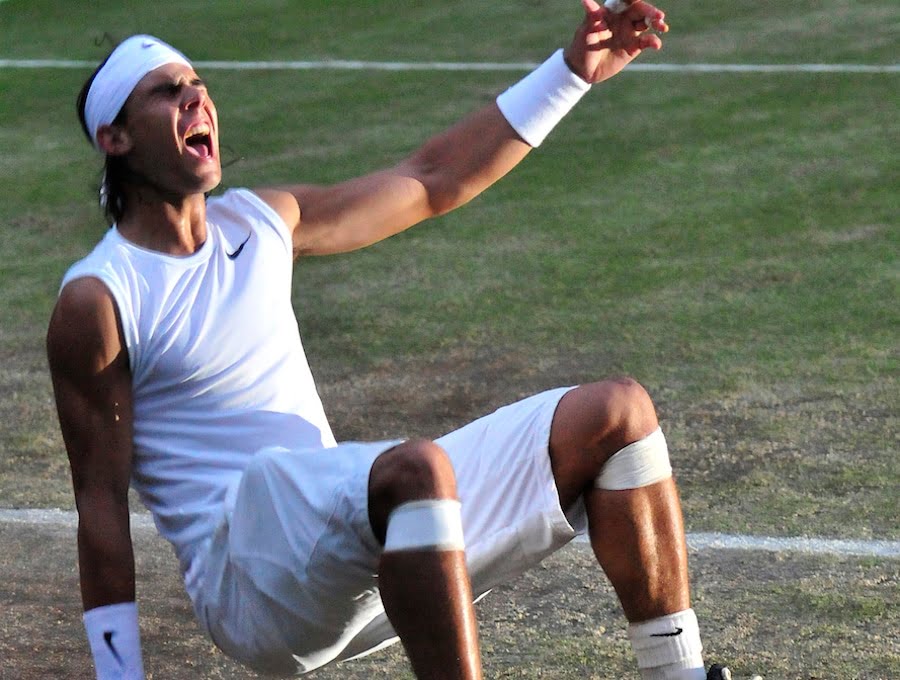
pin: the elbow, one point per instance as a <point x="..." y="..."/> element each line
<point x="443" y="198"/>
<point x="443" y="189"/>
<point x="101" y="507"/>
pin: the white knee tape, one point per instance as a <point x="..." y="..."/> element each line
<point x="642" y="463"/>
<point x="425" y="525"/>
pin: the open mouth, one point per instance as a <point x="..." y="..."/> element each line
<point x="199" y="141"/>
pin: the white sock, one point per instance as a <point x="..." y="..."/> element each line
<point x="669" y="648"/>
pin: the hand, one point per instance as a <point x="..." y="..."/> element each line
<point x="606" y="42"/>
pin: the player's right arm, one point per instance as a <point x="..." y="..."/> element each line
<point x="92" y="384"/>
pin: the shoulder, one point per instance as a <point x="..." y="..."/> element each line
<point x="83" y="299"/>
<point x="264" y="200"/>
<point x="84" y="331"/>
<point x="249" y="207"/>
<point x="282" y="202"/>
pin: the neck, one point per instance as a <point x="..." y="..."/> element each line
<point x="171" y="225"/>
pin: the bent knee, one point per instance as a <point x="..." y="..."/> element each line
<point x="630" y="409"/>
<point x="418" y="469"/>
<point x="602" y="417"/>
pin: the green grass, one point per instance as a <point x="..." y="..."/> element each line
<point x="811" y="31"/>
<point x="730" y="240"/>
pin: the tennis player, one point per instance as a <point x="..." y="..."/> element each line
<point x="178" y="369"/>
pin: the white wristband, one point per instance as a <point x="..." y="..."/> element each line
<point x="535" y="104"/>
<point x="115" y="641"/>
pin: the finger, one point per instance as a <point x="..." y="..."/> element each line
<point x="648" y="15"/>
<point x="592" y="11"/>
<point x="644" y="41"/>
<point x="655" y="19"/>
<point x="650" y="24"/>
<point x="598" y="32"/>
<point x="649" y="41"/>
<point x="595" y="25"/>
<point x="594" y="18"/>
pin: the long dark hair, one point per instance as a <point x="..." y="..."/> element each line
<point x="115" y="169"/>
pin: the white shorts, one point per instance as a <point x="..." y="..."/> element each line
<point x="290" y="579"/>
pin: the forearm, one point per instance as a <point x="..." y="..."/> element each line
<point x="106" y="563"/>
<point x="105" y="554"/>
<point x="464" y="161"/>
<point x="460" y="163"/>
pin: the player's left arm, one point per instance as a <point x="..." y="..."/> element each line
<point x="444" y="173"/>
<point x="456" y="165"/>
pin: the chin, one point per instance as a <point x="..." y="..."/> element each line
<point x="209" y="182"/>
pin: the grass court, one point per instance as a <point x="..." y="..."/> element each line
<point x="728" y="239"/>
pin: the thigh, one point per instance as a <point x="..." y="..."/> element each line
<point x="512" y="516"/>
<point x="510" y="507"/>
<point x="290" y="576"/>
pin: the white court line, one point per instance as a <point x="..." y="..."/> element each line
<point x="815" y="546"/>
<point x="696" y="541"/>
<point x="344" y="65"/>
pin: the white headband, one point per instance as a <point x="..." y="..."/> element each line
<point x="129" y="62"/>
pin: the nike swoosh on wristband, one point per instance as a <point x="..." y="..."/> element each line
<point x="108" y="636"/>
<point x="233" y="256"/>
<point x="676" y="633"/>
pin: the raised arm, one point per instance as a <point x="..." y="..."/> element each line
<point x="446" y="172"/>
<point x="92" y="383"/>
<point x="455" y="166"/>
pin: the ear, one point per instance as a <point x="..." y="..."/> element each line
<point x="113" y="140"/>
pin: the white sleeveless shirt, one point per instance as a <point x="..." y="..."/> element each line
<point x="218" y="368"/>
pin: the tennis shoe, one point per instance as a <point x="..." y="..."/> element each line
<point x="718" y="672"/>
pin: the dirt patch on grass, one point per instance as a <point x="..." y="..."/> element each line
<point x="784" y="459"/>
<point x="427" y="397"/>
<point x="775" y="460"/>
<point x="785" y="616"/>
<point x="779" y="460"/>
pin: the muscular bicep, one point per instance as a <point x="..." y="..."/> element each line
<point x="92" y="383"/>
<point x="359" y="212"/>
<point x="353" y="214"/>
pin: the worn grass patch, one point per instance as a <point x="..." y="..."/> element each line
<point x="790" y="617"/>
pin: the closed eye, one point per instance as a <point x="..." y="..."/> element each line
<point x="171" y="90"/>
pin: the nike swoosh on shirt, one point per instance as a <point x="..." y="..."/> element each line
<point x="233" y="256"/>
